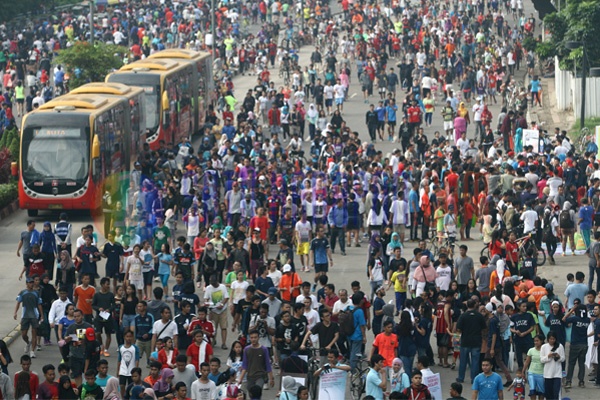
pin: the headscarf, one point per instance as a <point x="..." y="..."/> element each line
<point x="112" y="390"/>
<point x="395" y="242"/>
<point x="312" y="111"/>
<point x="566" y="206"/>
<point x="500" y="264"/>
<point x="424" y="260"/>
<point x="374" y="243"/>
<point x="65" y="265"/>
<point x="162" y="385"/>
<point x="462" y="110"/>
<point x="401" y="371"/>
<point x="136" y="393"/>
<point x="289" y="385"/>
<point x="66" y="394"/>
<point x="150" y="393"/>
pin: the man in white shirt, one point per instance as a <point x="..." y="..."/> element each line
<point x="164" y="327"/>
<point x="529" y="217"/>
<point x="477" y="111"/>
<point x="303" y="238"/>
<point x="57" y="310"/>
<point x="216" y="297"/>
<point x="463" y="144"/>
<point x="343" y="303"/>
<point x="554" y="182"/>
<point x="340" y="94"/>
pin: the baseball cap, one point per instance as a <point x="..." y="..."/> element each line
<point x="283" y="241"/>
<point x="256" y="229"/>
<point x="90" y="334"/>
<point x="29" y="280"/>
<point x="549" y="286"/>
<point x="286" y="268"/>
<point x="272" y="290"/>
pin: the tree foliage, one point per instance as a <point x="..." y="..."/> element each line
<point x="577" y="21"/>
<point x="22" y="7"/>
<point x="86" y="63"/>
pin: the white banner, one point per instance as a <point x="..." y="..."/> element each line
<point x="332" y="385"/>
<point x="531" y="137"/>
<point x="434" y="384"/>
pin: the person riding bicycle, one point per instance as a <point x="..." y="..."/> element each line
<point x="294" y="147"/>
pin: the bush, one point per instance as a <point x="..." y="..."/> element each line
<point x="8" y="194"/>
<point x="14" y="149"/>
<point x="5" y="161"/>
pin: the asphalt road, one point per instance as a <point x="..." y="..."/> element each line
<point x="345" y="270"/>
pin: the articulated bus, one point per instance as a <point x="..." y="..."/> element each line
<point x="202" y="64"/>
<point x="77" y="145"/>
<point x="171" y="88"/>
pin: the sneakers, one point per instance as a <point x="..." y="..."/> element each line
<point x="157" y="279"/>
<point x="314" y="287"/>
<point x="581" y="384"/>
<point x="567" y="385"/>
<point x="39" y="348"/>
<point x="31" y="354"/>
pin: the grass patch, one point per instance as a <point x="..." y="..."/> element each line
<point x="575" y="130"/>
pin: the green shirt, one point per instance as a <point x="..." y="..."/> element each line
<point x="536" y="366"/>
<point x="161" y="236"/>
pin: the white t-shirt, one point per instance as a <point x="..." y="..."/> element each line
<point x="340" y="92"/>
<point x="328" y="92"/>
<point x="203" y="391"/>
<point x="339" y="306"/>
<point x="275" y="277"/>
<point x="443" y="277"/>
<point x="477" y="110"/>
<point x="128" y="356"/>
<point x="529" y="217"/>
<point x="463" y="145"/>
<point x="303" y="229"/>
<point x="238" y="290"/>
<point x="169" y="331"/>
<point x="314" y="302"/>
<point x="216" y="295"/>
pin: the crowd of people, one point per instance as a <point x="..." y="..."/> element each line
<point x="227" y="247"/>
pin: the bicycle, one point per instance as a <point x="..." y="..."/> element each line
<point x="314" y="363"/>
<point x="448" y="242"/>
<point x="584" y="138"/>
<point x="358" y="378"/>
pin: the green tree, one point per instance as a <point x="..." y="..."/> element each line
<point x="86" y="63"/>
<point x="577" y="21"/>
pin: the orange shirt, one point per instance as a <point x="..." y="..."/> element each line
<point x="83" y="295"/>
<point x="537" y="292"/>
<point x="286" y="282"/>
<point x="386" y="346"/>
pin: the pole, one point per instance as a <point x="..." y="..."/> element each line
<point x="583" y="88"/>
<point x="92" y="22"/>
<point x="302" y="14"/>
<point x="213" y="28"/>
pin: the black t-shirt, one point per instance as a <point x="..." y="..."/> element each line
<point x="242" y="306"/>
<point x="471" y="324"/>
<point x="301" y="325"/>
<point x="325" y="333"/>
<point x="92" y="352"/>
<point x="285" y="332"/>
<point x="522" y="323"/>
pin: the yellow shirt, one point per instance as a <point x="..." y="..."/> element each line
<point x="399" y="279"/>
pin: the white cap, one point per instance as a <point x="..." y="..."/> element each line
<point x="286" y="268"/>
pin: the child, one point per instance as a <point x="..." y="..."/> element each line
<point x="90" y="389"/>
<point x="518" y="384"/>
<point x="417" y="390"/>
<point x="455" y="348"/>
<point x="570" y="279"/>
<point x="399" y="281"/>
<point x="234" y="361"/>
<point x="456" y="391"/>
<point x="160" y="344"/>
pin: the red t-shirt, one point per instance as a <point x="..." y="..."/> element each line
<point x="193" y="351"/>
<point x="512" y="251"/>
<point x="495" y="248"/>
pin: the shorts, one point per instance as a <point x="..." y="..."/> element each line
<point x="380" y="124"/>
<point x="20" y="101"/>
<point x="443" y="339"/>
<point x="328" y="102"/>
<point x="365" y="88"/>
<point x="353" y="224"/>
<point x="448" y="125"/>
<point x="77" y="365"/>
<point x="124" y="380"/>
<point x="302" y="249"/>
<point x="536" y="384"/>
<point x="148" y="278"/>
<point x="567" y="232"/>
<point x="321" y="268"/>
<point x="26" y="323"/>
<point x="138" y="283"/>
<point x="339" y="101"/>
<point x="107" y="326"/>
<point x="112" y="273"/>
<point x="218" y="320"/>
<point x="392" y="124"/>
<point x="164" y="279"/>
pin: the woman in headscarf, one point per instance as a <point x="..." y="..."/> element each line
<point x="112" y="391"/>
<point x="162" y="387"/>
<point x="497" y="277"/>
<point x="425" y="273"/>
<point x="398" y="378"/>
<point x="376" y="217"/>
<point x="289" y="388"/>
<point x="65" y="389"/>
<point x="312" y="116"/>
<point x="150" y="394"/>
<point x="65" y="275"/>
<point x="394" y="242"/>
<point x="48" y="247"/>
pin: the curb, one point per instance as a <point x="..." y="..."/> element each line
<point x="13" y="335"/>
<point x="9" y="209"/>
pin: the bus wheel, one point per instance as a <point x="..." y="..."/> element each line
<point x="32" y="213"/>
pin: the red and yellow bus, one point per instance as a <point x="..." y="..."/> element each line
<point x="76" y="146"/>
<point x="202" y="63"/>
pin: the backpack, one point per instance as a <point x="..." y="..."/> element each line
<point x="547" y="235"/>
<point x="346" y="321"/>
<point x="565" y="220"/>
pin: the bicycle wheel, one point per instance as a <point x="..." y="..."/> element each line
<point x="356" y="386"/>
<point x="313" y="387"/>
<point x="541" y="257"/>
<point x="435" y="248"/>
<point x="485" y="252"/>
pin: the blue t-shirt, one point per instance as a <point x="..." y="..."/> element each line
<point x="380" y="113"/>
<point x="586" y="214"/>
<point x="319" y="247"/>
<point x="359" y="320"/>
<point x="164" y="267"/>
<point x="535" y="86"/>
<point x="373" y="382"/>
<point x="391" y="113"/>
<point x="575" y="291"/>
<point x="487" y="386"/>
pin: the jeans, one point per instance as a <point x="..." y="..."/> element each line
<point x="408" y="364"/>
<point x="340" y="235"/>
<point x="593" y="271"/>
<point x="469" y="355"/>
<point x="256" y="380"/>
<point x="355" y="348"/>
<point x="577" y="355"/>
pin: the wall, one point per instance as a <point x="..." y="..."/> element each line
<point x="568" y="93"/>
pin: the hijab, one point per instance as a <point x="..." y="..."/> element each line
<point x="65" y="265"/>
<point x="401" y="371"/>
<point x="150" y="392"/>
<point x="500" y="264"/>
<point x="66" y="394"/>
<point x="162" y="385"/>
<point x="395" y="242"/>
<point x="462" y="110"/>
<point x="374" y="243"/>
<point x="312" y="111"/>
<point x="112" y="390"/>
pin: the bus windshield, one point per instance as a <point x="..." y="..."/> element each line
<point x="151" y="85"/>
<point x="55" y="152"/>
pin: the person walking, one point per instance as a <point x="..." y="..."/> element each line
<point x="552" y="354"/>
<point x="487" y="385"/>
<point x="578" y="318"/>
